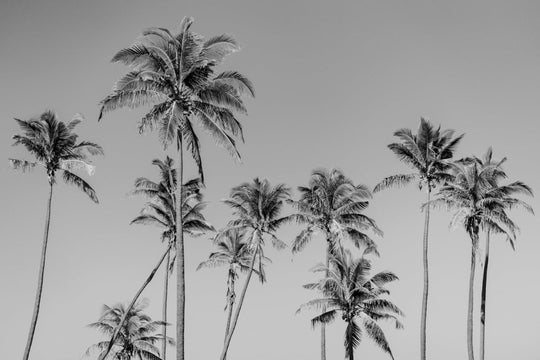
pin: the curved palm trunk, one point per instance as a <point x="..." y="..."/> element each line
<point x="239" y="306"/>
<point x="164" y="310"/>
<point x="180" y="280"/>
<point x="37" y="302"/>
<point x="470" y="347"/>
<point x="425" y="291"/>
<point x="128" y="309"/>
<point x="230" y="281"/>
<point x="483" y="303"/>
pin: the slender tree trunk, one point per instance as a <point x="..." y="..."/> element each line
<point x="483" y="304"/>
<point x="230" y="305"/>
<point x="470" y="347"/>
<point x="37" y="301"/>
<point x="239" y="305"/>
<point x="133" y="301"/>
<point x="323" y="326"/>
<point x="426" y="280"/>
<point x="180" y="280"/>
<point x="164" y="310"/>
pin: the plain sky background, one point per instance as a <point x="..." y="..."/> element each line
<point x="333" y="81"/>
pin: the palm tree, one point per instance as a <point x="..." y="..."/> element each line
<point x="332" y="205"/>
<point x="471" y="195"/>
<point x="257" y="207"/>
<point x="56" y="148"/>
<point x="348" y="289"/>
<point x="137" y="338"/>
<point x="160" y="210"/>
<point x="505" y="201"/>
<point x="427" y="153"/>
<point x="177" y="74"/>
<point x="234" y="252"/>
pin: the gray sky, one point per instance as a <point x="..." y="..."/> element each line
<point x="333" y="81"/>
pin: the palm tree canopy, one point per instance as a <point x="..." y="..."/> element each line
<point x="55" y="147"/>
<point x="177" y="74"/>
<point x="257" y="207"/>
<point x="333" y="204"/>
<point x="350" y="291"/>
<point x="137" y="337"/>
<point x="427" y="152"/>
<point x="478" y="199"/>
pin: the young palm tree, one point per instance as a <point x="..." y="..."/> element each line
<point x="137" y="338"/>
<point x="348" y="289"/>
<point x="427" y="152"/>
<point x="161" y="211"/>
<point x="234" y="252"/>
<point x="505" y="201"/>
<point x="176" y="72"/>
<point x="471" y="195"/>
<point x="257" y="207"/>
<point x="56" y="148"/>
<point x="332" y="205"/>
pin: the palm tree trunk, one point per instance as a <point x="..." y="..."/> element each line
<point x="164" y="310"/>
<point x="239" y="306"/>
<point x="135" y="298"/>
<point x="230" y="281"/>
<point x="323" y="325"/>
<point x="180" y="280"/>
<point x="37" y="301"/>
<point x="425" y="291"/>
<point x="470" y="347"/>
<point x="483" y="303"/>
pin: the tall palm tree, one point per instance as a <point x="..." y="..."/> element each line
<point x="471" y="195"/>
<point x="56" y="148"/>
<point x="332" y="205"/>
<point x="232" y="251"/>
<point x="160" y="210"/>
<point x="176" y="72"/>
<point x="427" y="152"/>
<point x="349" y="290"/>
<point x="505" y="200"/>
<point x="137" y="339"/>
<point x="257" y="207"/>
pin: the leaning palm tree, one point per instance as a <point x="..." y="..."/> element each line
<point x="56" y="148"/>
<point x="332" y="205"/>
<point x="176" y="73"/>
<point x="137" y="338"/>
<point x="232" y="251"/>
<point x="160" y="210"/>
<point x="349" y="290"/>
<point x="505" y="200"/>
<point x="471" y="195"/>
<point x="427" y="152"/>
<point x="257" y="207"/>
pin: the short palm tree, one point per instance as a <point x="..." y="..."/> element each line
<point x="56" y="148"/>
<point x="427" y="152"/>
<point x="137" y="338"/>
<point x="257" y="207"/>
<point x="471" y="195"/>
<point x="349" y="290"/>
<point x="232" y="251"/>
<point x="505" y="200"/>
<point x="333" y="206"/>
<point x="176" y="73"/>
<point x="160" y="210"/>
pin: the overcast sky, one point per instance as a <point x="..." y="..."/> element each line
<point x="333" y="81"/>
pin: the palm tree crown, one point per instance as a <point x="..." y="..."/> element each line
<point x="56" y="148"/>
<point x="349" y="290"/>
<point x="333" y="205"/>
<point x="177" y="73"/>
<point x="427" y="152"/>
<point x="136" y="339"/>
